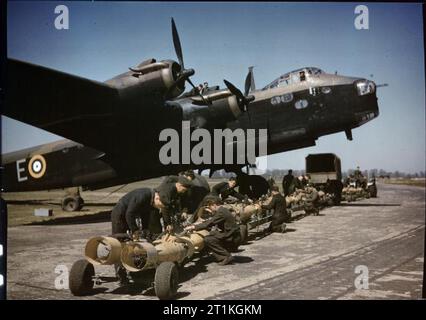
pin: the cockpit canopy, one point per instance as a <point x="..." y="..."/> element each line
<point x="295" y="76"/>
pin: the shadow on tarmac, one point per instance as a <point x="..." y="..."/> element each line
<point x="102" y="216"/>
<point x="143" y="281"/>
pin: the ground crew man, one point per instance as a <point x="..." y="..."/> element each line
<point x="280" y="215"/>
<point x="357" y="173"/>
<point x="289" y="183"/>
<point x="311" y="200"/>
<point x="359" y="178"/>
<point x="226" y="233"/>
<point x="192" y="199"/>
<point x="143" y="203"/>
<point x="170" y="191"/>
<point x="226" y="189"/>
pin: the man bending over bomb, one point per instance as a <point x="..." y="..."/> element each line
<point x="143" y="203"/>
<point x="171" y="190"/>
<point x="225" y="235"/>
<point x="227" y="188"/>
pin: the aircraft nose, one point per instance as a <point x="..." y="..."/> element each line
<point x="366" y="107"/>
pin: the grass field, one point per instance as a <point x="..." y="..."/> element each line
<point x="408" y="182"/>
<point x="98" y="203"/>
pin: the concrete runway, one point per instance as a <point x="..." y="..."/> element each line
<point x="315" y="259"/>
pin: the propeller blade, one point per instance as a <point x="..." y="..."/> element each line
<point x="177" y="45"/>
<point x="234" y="90"/>
<point x="243" y="101"/>
<point x="252" y="84"/>
<point x="248" y="114"/>
<point x="247" y="84"/>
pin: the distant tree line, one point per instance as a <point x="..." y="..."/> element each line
<point x="388" y="174"/>
<point x="378" y="173"/>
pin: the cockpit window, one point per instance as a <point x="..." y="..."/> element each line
<point x="315" y="71"/>
<point x="293" y="77"/>
<point x="283" y="82"/>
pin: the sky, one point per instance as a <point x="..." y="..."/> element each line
<point x="221" y="40"/>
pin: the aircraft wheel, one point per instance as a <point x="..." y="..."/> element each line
<point x="244" y="233"/>
<point x="71" y="204"/>
<point x="81" y="277"/>
<point x="166" y="280"/>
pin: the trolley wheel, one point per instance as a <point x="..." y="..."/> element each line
<point x="166" y="280"/>
<point x="81" y="277"/>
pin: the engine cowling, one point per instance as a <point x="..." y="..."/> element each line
<point x="221" y="107"/>
<point x="150" y="77"/>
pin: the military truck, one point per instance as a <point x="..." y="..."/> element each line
<point x="325" y="173"/>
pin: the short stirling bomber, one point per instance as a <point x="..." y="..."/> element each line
<point x="113" y="127"/>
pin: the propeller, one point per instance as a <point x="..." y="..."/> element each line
<point x="184" y="74"/>
<point x="243" y="101"/>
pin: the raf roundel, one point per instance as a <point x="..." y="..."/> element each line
<point x="37" y="166"/>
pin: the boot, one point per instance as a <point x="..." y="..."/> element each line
<point x="226" y="261"/>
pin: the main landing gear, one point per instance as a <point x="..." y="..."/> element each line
<point x="72" y="200"/>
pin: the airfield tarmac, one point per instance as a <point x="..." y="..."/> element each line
<point x="315" y="259"/>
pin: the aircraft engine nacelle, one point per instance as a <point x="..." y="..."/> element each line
<point x="222" y="108"/>
<point x="150" y="78"/>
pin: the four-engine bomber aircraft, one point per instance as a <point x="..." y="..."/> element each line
<point x="113" y="127"/>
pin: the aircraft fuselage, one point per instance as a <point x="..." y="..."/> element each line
<point x="295" y="114"/>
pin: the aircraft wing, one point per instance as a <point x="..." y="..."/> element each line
<point x="73" y="107"/>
